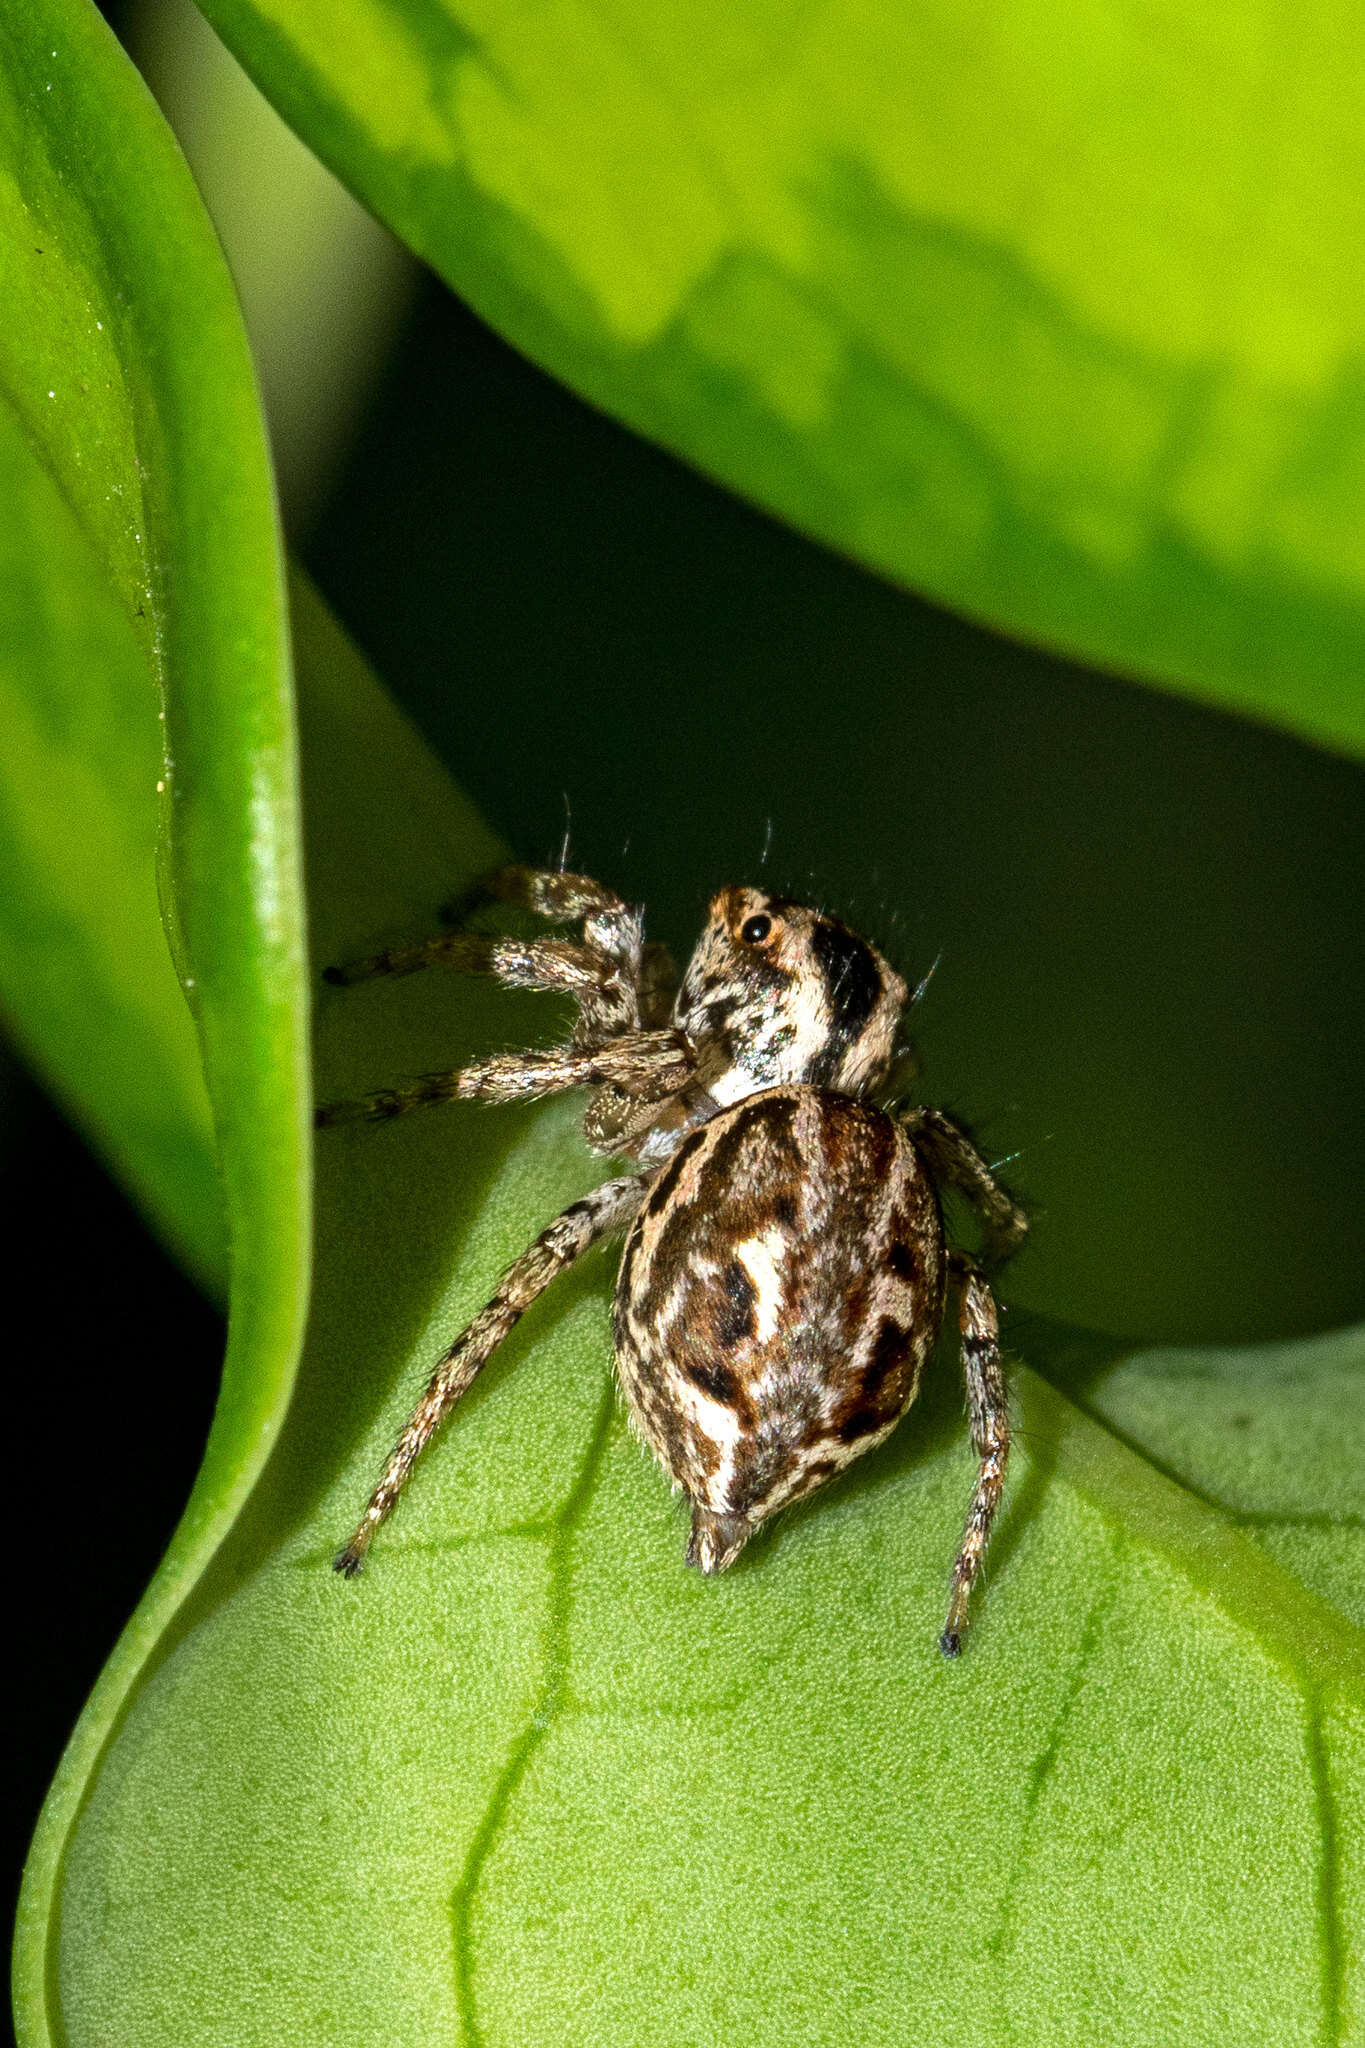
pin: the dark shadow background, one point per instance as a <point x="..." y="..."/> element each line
<point x="1148" y="915"/>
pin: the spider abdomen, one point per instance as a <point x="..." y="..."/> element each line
<point x="779" y="1292"/>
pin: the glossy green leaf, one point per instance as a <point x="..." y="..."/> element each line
<point x="87" y="981"/>
<point x="141" y="566"/>
<point x="1054" y="316"/>
<point x="528" y="1780"/>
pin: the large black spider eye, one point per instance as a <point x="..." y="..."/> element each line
<point x="755" y="930"/>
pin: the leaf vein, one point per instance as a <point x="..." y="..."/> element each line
<point x="551" y="1702"/>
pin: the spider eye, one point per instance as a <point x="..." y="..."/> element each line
<point x="755" y="930"/>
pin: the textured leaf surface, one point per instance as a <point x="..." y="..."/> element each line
<point x="140" y="564"/>
<point x="530" y="1781"/>
<point x="1057" y="317"/>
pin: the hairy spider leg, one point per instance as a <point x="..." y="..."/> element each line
<point x="617" y="983"/>
<point x="645" y="1064"/>
<point x="553" y="964"/>
<point x="639" y="991"/>
<point x="604" y="985"/>
<point x="955" y="1159"/>
<point x="607" y="1209"/>
<point x="549" y="892"/>
<point x="988" y="1410"/>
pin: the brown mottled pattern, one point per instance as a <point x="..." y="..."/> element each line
<point x="779" y="1292"/>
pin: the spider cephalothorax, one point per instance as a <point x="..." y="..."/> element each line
<point x="784" y="1269"/>
<point x="775" y="992"/>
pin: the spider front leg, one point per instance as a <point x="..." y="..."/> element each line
<point x="607" y="1209"/>
<point x="549" y="892"/>
<point x="644" y="1064"/>
<point x="989" y="1412"/>
<point x="518" y="963"/>
<point x="644" y="979"/>
<point x="610" y="974"/>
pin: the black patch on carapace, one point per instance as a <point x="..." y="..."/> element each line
<point x="854" y="986"/>
<point x="871" y="1412"/>
<point x="901" y="1260"/>
<point x="736" y="1320"/>
<point x="714" y="1378"/>
<point x="862" y="1422"/>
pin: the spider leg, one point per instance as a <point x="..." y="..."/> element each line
<point x="612" y="932"/>
<point x="645" y="1064"/>
<point x="554" y="1251"/>
<point x="519" y="963"/>
<point x="990" y="1422"/>
<point x="956" y="1160"/>
<point x="549" y="892"/>
<point x="602" y="973"/>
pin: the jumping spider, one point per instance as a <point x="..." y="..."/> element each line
<point x="784" y="1269"/>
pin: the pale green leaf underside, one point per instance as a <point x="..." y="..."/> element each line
<point x="1055" y="315"/>
<point x="528" y="1780"/>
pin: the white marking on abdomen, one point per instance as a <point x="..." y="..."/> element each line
<point x="763" y="1259"/>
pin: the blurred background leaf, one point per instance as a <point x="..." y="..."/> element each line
<point x="1055" y="318"/>
<point x="324" y="289"/>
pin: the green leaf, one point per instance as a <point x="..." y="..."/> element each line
<point x="140" y="561"/>
<point x="87" y="980"/>
<point x="1056" y="318"/>
<point x="323" y="288"/>
<point x="528" y="1780"/>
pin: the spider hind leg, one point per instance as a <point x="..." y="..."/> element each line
<point x="988" y="1409"/>
<point x="571" y="1234"/>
